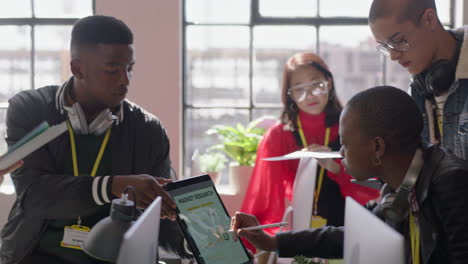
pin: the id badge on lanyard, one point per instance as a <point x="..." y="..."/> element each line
<point x="316" y="220"/>
<point x="75" y="235"/>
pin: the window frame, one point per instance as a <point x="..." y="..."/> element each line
<point x="256" y="19"/>
<point x="32" y="22"/>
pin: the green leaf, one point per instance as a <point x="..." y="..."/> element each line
<point x="303" y="260"/>
<point x="212" y="162"/>
<point x="240" y="143"/>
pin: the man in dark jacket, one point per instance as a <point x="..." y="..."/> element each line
<point x="111" y="143"/>
<point x="409" y="32"/>
<point x="380" y="135"/>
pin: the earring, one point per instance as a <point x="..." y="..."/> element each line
<point x="377" y="161"/>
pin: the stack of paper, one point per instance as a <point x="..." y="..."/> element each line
<point x="307" y="154"/>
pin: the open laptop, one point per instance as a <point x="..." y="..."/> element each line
<point x="140" y="242"/>
<point x="368" y="240"/>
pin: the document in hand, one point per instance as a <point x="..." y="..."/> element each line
<point x="368" y="239"/>
<point x="307" y="154"/>
<point x="36" y="138"/>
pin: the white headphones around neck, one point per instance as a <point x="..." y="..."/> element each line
<point x="97" y="127"/>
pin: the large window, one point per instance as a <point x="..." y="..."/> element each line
<point x="234" y="53"/>
<point x="34" y="50"/>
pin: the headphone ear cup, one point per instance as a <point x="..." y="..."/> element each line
<point x="385" y="200"/>
<point x="440" y="77"/>
<point x="98" y="126"/>
<point x="102" y="122"/>
<point x="387" y="208"/>
<point x="77" y="119"/>
<point x="419" y="84"/>
<point x="395" y="206"/>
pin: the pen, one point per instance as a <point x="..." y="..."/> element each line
<point x="262" y="226"/>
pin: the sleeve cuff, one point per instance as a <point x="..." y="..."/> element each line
<point x="339" y="173"/>
<point x="102" y="189"/>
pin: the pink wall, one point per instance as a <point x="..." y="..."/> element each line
<point x="156" y="84"/>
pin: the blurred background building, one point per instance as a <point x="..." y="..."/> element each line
<point x="233" y="54"/>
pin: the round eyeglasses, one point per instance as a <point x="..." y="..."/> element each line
<point x="316" y="88"/>
<point x="387" y="48"/>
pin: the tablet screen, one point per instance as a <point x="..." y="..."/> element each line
<point x="205" y="222"/>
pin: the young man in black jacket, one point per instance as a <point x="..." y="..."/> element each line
<point x="380" y="135"/>
<point x="111" y="143"/>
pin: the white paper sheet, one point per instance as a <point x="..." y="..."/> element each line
<point x="369" y="240"/>
<point x="307" y="154"/>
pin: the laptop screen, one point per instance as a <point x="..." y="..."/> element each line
<point x="140" y="241"/>
<point x="369" y="240"/>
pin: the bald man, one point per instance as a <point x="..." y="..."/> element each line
<point x="409" y="32"/>
<point x="380" y="132"/>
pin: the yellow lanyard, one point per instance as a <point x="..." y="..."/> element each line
<point x="439" y="119"/>
<point x="441" y="128"/>
<point x="322" y="170"/>
<point x="99" y="156"/>
<point x="414" y="233"/>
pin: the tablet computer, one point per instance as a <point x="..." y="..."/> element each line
<point x="205" y="221"/>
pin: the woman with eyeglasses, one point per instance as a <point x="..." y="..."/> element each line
<point x="309" y="119"/>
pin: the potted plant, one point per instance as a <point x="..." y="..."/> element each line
<point x="240" y="144"/>
<point x="212" y="163"/>
<point x="299" y="259"/>
<point x="303" y="260"/>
